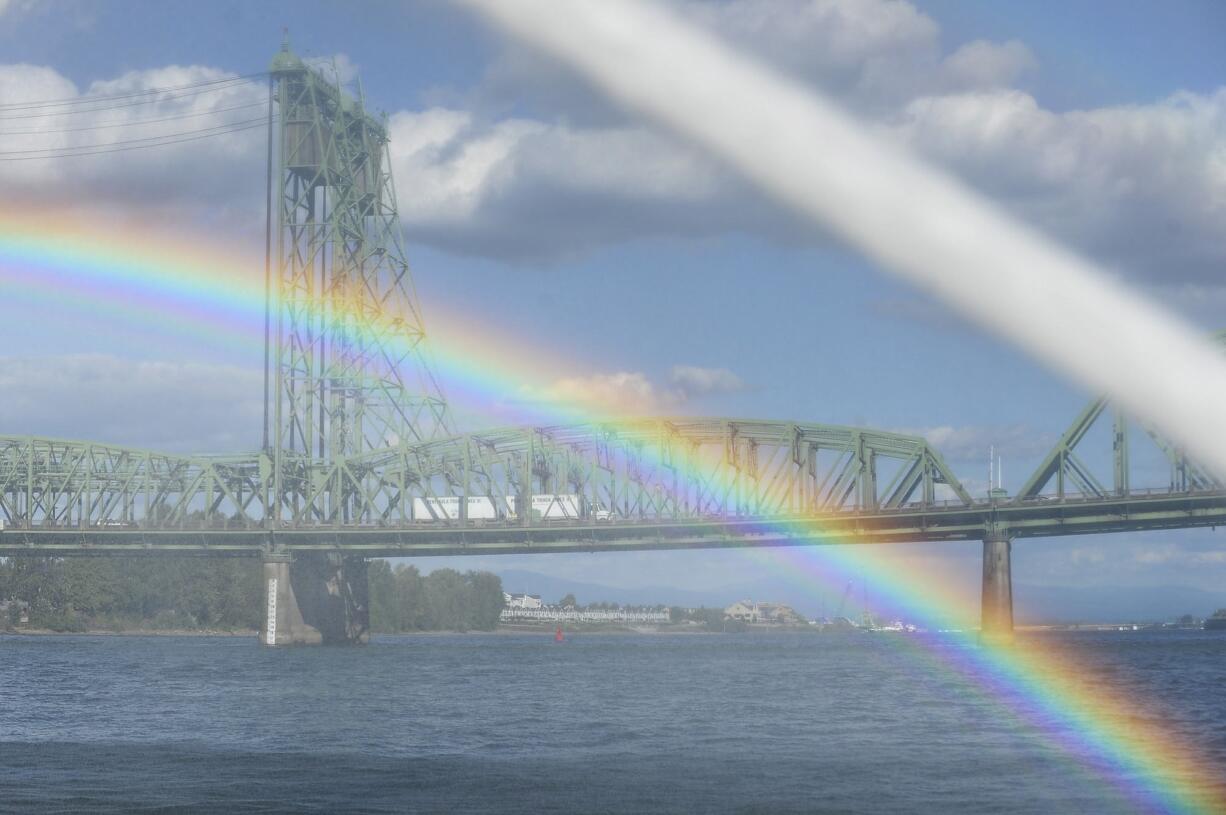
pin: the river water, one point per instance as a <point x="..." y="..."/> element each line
<point x="776" y="723"/>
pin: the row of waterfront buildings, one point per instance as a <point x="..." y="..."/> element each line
<point x="531" y="608"/>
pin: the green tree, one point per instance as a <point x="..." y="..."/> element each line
<point x="568" y="600"/>
<point x="485" y="599"/>
<point x="447" y="600"/>
<point x="384" y="609"/>
<point x="412" y="609"/>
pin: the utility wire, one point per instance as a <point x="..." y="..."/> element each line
<point x="130" y="141"/>
<point x="80" y="100"/>
<point x="130" y="122"/>
<point x="125" y="146"/>
<point x="134" y="103"/>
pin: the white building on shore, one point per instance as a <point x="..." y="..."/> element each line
<point x="747" y="611"/>
<point x="570" y="614"/>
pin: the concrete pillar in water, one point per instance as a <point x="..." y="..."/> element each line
<point x="315" y="598"/>
<point x="996" y="609"/>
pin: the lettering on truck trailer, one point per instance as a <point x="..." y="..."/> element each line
<point x="543" y="506"/>
<point x="447" y="508"/>
<point x="556" y="507"/>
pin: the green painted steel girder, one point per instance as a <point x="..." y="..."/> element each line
<point x="668" y="483"/>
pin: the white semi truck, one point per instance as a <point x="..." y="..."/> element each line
<point x="546" y="506"/>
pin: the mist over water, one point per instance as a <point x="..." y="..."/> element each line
<point x="600" y="723"/>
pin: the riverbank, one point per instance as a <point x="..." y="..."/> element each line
<point x="129" y="632"/>
<point x="501" y="630"/>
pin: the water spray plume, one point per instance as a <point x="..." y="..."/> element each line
<point x="802" y="150"/>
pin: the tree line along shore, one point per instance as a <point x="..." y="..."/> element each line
<point x="223" y="594"/>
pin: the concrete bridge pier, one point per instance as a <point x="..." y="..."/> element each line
<point x="314" y="598"/>
<point x="996" y="609"/>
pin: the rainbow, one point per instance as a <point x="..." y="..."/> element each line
<point x="186" y="286"/>
<point x="181" y="286"/>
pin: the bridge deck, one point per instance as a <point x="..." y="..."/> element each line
<point x="1041" y="517"/>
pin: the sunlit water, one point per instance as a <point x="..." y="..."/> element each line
<point x="601" y="723"/>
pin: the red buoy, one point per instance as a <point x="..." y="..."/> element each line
<point x="557" y="637"/>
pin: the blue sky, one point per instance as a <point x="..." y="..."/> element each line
<point x="547" y="215"/>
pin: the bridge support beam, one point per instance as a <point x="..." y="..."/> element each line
<point x="996" y="609"/>
<point x="315" y="598"/>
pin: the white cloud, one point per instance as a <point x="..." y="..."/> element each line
<point x="528" y="188"/>
<point x="633" y="392"/>
<point x="867" y="50"/>
<point x="1141" y="185"/>
<point x="983" y="64"/>
<point x="1192" y="557"/>
<point x="694" y="381"/>
<point x="17" y="6"/>
<point x="337" y="68"/>
<point x="620" y="393"/>
<point x="175" y="407"/>
<point x="971" y="442"/>
<point x="214" y="179"/>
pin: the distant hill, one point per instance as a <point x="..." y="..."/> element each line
<point x="1033" y="604"/>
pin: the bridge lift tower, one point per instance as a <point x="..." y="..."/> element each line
<point x="347" y="369"/>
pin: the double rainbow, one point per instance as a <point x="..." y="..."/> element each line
<point x="189" y="287"/>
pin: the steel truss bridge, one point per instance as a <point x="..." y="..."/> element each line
<point x="358" y="438"/>
<point x="661" y="483"/>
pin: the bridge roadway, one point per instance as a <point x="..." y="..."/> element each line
<point x="1044" y="516"/>
<point x="667" y="483"/>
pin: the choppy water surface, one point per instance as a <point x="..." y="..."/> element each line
<point x="516" y="723"/>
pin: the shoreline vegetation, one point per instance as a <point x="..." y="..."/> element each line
<point x="182" y="596"/>
<point x="548" y="630"/>
<point x="198" y="597"/>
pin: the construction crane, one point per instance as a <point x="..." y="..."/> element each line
<point x="838" y="620"/>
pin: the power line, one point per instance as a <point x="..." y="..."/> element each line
<point x="130" y="141"/>
<point x="79" y="100"/>
<point x="132" y="144"/>
<point x="129" y="104"/>
<point x="130" y="122"/>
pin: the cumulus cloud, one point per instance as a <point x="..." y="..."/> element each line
<point x="971" y="442"/>
<point x="1140" y="187"/>
<point x="633" y="392"/>
<point x="872" y="53"/>
<point x="209" y="179"/>
<point x="528" y="189"/>
<point x="16" y="6"/>
<point x="984" y="64"/>
<point x="530" y="165"/>
<point x="695" y="381"/>
<point x="1143" y="186"/>
<point x="338" y="68"/>
<point x="173" y="407"/>
<point x="1190" y="557"/>
<point x="620" y="393"/>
